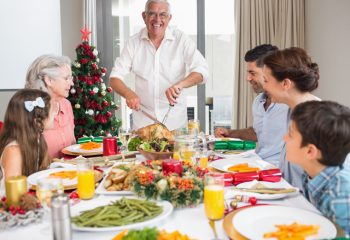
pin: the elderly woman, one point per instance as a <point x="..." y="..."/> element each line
<point x="289" y="77"/>
<point x="53" y="74"/>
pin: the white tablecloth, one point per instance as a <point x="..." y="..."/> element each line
<point x="190" y="221"/>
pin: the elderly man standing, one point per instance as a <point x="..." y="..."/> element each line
<point x="165" y="62"/>
<point x="269" y="119"/>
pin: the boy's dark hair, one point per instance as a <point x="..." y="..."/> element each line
<point x="325" y="124"/>
<point x="258" y="52"/>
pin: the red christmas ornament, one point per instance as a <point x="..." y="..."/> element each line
<point x="89" y="83"/>
<point x="94" y="66"/>
<point x="109" y="89"/>
<point x="103" y="70"/>
<point x="84" y="61"/>
<point x="92" y="93"/>
<point x="85" y="34"/>
<point x="108" y="114"/>
<point x="105" y="103"/>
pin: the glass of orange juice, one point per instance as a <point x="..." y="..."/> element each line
<point x="214" y="196"/>
<point x="193" y="126"/>
<point x="86" y="179"/>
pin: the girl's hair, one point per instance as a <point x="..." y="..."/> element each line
<point x="45" y="65"/>
<point x="26" y="128"/>
<point x="295" y="64"/>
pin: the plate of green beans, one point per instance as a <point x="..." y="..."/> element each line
<point x="116" y="213"/>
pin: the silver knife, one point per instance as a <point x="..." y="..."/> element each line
<point x="150" y="116"/>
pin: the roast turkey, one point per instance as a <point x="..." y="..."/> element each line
<point x="155" y="131"/>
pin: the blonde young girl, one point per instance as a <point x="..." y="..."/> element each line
<point x="22" y="146"/>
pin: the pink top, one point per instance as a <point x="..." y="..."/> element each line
<point x="62" y="134"/>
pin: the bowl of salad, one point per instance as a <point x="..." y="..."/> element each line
<point x="156" y="149"/>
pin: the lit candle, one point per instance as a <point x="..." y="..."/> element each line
<point x="15" y="187"/>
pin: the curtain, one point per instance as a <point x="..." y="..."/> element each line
<point x="278" y="22"/>
<point x="90" y="20"/>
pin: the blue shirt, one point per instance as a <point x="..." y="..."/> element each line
<point x="269" y="126"/>
<point x="329" y="192"/>
<point x="291" y="172"/>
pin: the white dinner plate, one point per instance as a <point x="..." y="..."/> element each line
<point x="224" y="164"/>
<point x="105" y="200"/>
<point x="254" y="222"/>
<point x="76" y="150"/>
<point x="67" y="183"/>
<point x="281" y="184"/>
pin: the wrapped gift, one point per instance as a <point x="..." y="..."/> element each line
<point x="221" y="145"/>
<point x="90" y="139"/>
<point x="241" y="177"/>
<point x="270" y="175"/>
<point x="228" y="179"/>
<point x="249" y="145"/>
<point x="236" y="145"/>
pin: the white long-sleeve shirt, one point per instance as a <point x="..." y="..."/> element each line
<point x="158" y="69"/>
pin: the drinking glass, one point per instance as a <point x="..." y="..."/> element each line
<point x="193" y="126"/>
<point x="86" y="178"/>
<point x="201" y="158"/>
<point x="184" y="146"/>
<point x="124" y="136"/>
<point x="214" y="198"/>
<point x="46" y="188"/>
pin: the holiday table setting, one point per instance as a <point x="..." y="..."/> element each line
<point x="190" y="220"/>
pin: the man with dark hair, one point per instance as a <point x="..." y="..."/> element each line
<point x="319" y="142"/>
<point x="269" y="119"/>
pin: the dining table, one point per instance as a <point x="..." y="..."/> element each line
<point x="191" y="220"/>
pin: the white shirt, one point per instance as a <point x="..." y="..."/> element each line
<point x="158" y="69"/>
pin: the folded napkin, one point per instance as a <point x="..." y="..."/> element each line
<point x="259" y="187"/>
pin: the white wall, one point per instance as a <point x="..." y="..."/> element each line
<point x="28" y="29"/>
<point x="71" y="20"/>
<point x="327" y="34"/>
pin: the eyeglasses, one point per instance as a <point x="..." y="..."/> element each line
<point x="162" y="15"/>
<point x="68" y="78"/>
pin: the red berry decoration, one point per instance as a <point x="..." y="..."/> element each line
<point x="252" y="200"/>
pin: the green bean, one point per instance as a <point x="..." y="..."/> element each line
<point x="121" y="212"/>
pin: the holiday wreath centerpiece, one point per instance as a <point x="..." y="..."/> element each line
<point x="182" y="188"/>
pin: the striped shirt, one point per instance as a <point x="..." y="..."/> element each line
<point x="329" y="192"/>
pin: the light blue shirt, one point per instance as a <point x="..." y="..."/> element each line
<point x="270" y="127"/>
<point x="291" y="172"/>
<point x="329" y="192"/>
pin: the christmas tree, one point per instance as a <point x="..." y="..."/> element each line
<point x="91" y="100"/>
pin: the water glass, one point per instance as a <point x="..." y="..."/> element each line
<point x="48" y="187"/>
<point x="86" y="178"/>
<point x="124" y="136"/>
